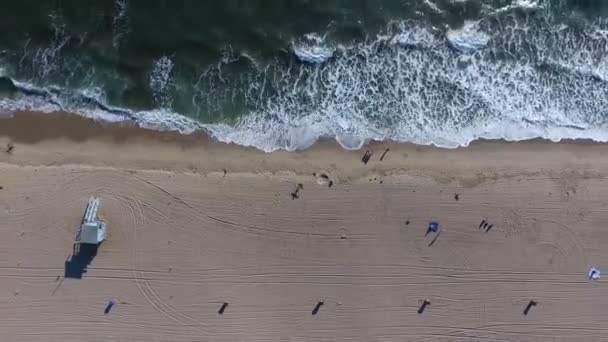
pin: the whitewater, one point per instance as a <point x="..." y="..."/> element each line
<point x="499" y="77"/>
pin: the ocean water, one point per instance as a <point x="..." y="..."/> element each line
<point x="279" y="74"/>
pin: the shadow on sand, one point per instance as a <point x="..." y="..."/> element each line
<point x="82" y="256"/>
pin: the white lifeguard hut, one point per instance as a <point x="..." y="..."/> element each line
<point x="92" y="231"/>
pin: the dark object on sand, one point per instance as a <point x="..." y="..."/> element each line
<point x="1" y="187"/>
<point x="423" y="306"/>
<point x="482" y="223"/>
<point x="489" y="227"/>
<point x="529" y="306"/>
<point x="9" y="148"/>
<point x="296" y="193"/>
<point x="384" y="153"/>
<point x="433" y="228"/>
<point x="82" y="256"/>
<point x="111" y="303"/>
<point x="368" y="154"/>
<point x="457" y="196"/>
<point x="325" y="177"/>
<point x="224" y="306"/>
<point x="316" y="309"/>
<point x="225" y="172"/>
<point x="407" y="222"/>
<point x="485" y="224"/>
<point x="434" y="239"/>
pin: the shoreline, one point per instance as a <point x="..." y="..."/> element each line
<point x="20" y="127"/>
<point x="67" y="139"/>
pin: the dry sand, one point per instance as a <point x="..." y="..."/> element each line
<point x="185" y="238"/>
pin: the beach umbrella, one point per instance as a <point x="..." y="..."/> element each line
<point x="594" y="274"/>
<point x="433" y="227"/>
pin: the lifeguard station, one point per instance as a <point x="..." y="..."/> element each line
<point x="92" y="231"/>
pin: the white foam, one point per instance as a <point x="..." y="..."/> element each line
<point x="523" y="4"/>
<point x="468" y="38"/>
<point x="312" y="49"/>
<point x="383" y="88"/>
<point x="45" y="59"/>
<point x="432" y="6"/>
<point x="120" y="25"/>
<point x="160" y="81"/>
<point x="427" y="96"/>
<point x="527" y="3"/>
<point x="408" y="34"/>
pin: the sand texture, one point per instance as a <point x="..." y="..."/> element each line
<point x="184" y="238"/>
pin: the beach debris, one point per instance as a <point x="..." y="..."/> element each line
<point x="384" y="154"/>
<point x="9" y="148"/>
<point x="485" y="225"/>
<point x="529" y="306"/>
<point x="92" y="231"/>
<point x="225" y="172"/>
<point x="223" y="308"/>
<point x="456" y="197"/>
<point x="365" y="159"/>
<point x="1" y="187"/>
<point x="324" y="179"/>
<point x="407" y="222"/>
<point x="296" y="193"/>
<point x="594" y="274"/>
<point x="111" y="303"/>
<point x="423" y="306"/>
<point x="316" y="309"/>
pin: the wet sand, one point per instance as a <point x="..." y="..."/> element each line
<point x="185" y="238"/>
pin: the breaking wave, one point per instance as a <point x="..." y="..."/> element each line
<point x="511" y="74"/>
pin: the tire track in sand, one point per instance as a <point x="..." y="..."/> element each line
<point x="144" y="287"/>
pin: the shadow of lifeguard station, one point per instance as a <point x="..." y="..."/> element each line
<point x="91" y="234"/>
<point x="77" y="263"/>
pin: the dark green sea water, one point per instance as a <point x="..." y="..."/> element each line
<point x="280" y="74"/>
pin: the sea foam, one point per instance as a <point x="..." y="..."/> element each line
<point x="312" y="49"/>
<point x="468" y="38"/>
<point x="411" y="83"/>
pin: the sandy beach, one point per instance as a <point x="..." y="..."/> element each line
<point x="193" y="224"/>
